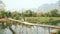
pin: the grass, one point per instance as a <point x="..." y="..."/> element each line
<point x="43" y="20"/>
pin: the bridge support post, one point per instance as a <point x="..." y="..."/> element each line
<point x="22" y="28"/>
<point x="44" y="30"/>
<point x="37" y="29"/>
<point x="49" y="30"/>
<point x="26" y="29"/>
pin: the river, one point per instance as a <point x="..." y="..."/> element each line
<point x="25" y="30"/>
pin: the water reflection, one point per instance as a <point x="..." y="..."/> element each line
<point x="25" y="30"/>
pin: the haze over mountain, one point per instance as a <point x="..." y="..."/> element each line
<point x="48" y="7"/>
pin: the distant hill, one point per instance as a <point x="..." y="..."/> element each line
<point x="49" y="7"/>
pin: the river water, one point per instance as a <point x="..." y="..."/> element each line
<point x="25" y="30"/>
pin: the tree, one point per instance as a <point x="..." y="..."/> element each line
<point x="2" y="9"/>
<point x="54" y="13"/>
<point x="8" y="14"/>
<point x="2" y="13"/>
<point x="14" y="14"/>
<point x="27" y="13"/>
<point x="2" y="5"/>
<point x="47" y="14"/>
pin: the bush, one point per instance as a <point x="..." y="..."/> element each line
<point x="58" y="32"/>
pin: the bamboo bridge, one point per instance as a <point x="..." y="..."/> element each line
<point x="10" y="20"/>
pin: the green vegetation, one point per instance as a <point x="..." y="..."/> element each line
<point x="43" y="20"/>
<point x="51" y="18"/>
<point x="58" y="32"/>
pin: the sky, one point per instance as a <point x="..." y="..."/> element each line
<point x="25" y="4"/>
